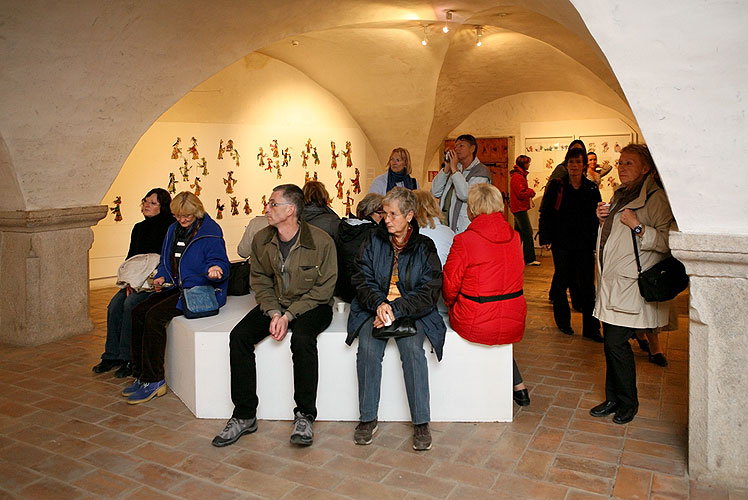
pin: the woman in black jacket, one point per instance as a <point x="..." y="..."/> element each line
<point x="146" y="237"/>
<point x="568" y="227"/>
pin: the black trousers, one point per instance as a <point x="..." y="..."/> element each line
<point x="575" y="271"/>
<point x="149" y="321"/>
<point x="253" y="328"/>
<point x="620" y="367"/>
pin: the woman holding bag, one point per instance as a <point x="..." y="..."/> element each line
<point x="640" y="206"/>
<point x="193" y="254"/>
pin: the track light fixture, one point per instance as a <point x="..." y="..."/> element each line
<point x="445" y="29"/>
<point x="478" y="36"/>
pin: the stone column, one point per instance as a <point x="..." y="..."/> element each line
<point x="718" y="355"/>
<point x="44" y="273"/>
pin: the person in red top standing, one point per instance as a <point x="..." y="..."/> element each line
<point x="519" y="203"/>
<point x="483" y="278"/>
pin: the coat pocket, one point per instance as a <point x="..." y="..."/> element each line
<point x="624" y="295"/>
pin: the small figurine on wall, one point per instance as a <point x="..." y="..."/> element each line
<point x="204" y="165"/>
<point x="176" y="151"/>
<point x="278" y="174"/>
<point x="274" y="148"/>
<point x="348" y="153"/>
<point x="309" y="145"/>
<point x="612" y="182"/>
<point x="115" y="209"/>
<point x="172" y="187"/>
<point x="314" y="177"/>
<point x="261" y="158"/>
<point x="315" y="156"/>
<point x="229" y="146"/>
<point x="348" y="203"/>
<point x="333" y="156"/>
<point x="221" y="150"/>
<point x="286" y="157"/>
<point x="193" y="149"/>
<point x="356" y="182"/>
<point x="270" y="164"/>
<point x="591" y="147"/>
<point x="339" y="185"/>
<point x="234" y="206"/>
<point x="306" y="177"/>
<point x="264" y="204"/>
<point x="247" y="208"/>
<point x="617" y="148"/>
<point x="185" y="169"/>
<point x="606" y="147"/>
<point x="196" y="186"/>
<point x="230" y="182"/>
<point x="304" y="158"/>
<point x="235" y="155"/>
<point x="219" y="208"/>
<point x="549" y="163"/>
<point x="536" y="183"/>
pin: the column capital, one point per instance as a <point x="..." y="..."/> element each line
<point x="51" y="219"/>
<point x="711" y="255"/>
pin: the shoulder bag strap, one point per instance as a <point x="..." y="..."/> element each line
<point x="636" y="252"/>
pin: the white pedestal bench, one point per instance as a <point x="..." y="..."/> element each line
<point x="472" y="383"/>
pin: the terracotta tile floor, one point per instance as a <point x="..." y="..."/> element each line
<point x="65" y="433"/>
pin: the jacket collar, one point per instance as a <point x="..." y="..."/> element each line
<point x="648" y="187"/>
<point x="306" y="239"/>
<point x="382" y="233"/>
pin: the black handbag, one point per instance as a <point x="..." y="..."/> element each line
<point x="238" y="278"/>
<point x="403" y="327"/>
<point x="663" y="281"/>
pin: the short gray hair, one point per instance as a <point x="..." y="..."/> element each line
<point x="404" y="198"/>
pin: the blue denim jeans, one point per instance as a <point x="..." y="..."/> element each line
<point x="119" y="324"/>
<point x="415" y="371"/>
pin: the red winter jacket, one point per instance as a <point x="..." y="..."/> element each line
<point x="519" y="193"/>
<point x="486" y="260"/>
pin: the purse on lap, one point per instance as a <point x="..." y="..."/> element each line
<point x="403" y="327"/>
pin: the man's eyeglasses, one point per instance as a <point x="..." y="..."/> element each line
<point x="274" y="204"/>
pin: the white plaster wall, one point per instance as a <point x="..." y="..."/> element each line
<point x="684" y="70"/>
<point x="252" y="102"/>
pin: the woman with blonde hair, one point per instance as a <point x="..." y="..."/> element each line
<point x="483" y="279"/>
<point x="397" y="174"/>
<point x="193" y="254"/>
<point x="432" y="222"/>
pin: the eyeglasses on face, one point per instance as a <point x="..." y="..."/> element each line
<point x="184" y="217"/>
<point x="274" y="204"/>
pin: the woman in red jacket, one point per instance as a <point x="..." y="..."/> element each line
<point x="483" y="279"/>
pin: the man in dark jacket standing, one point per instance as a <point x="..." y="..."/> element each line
<point x="294" y="268"/>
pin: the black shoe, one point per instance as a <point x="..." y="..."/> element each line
<point x="566" y="329"/>
<point x="124" y="370"/>
<point x="106" y="365"/>
<point x="643" y="344"/>
<point x="604" y="409"/>
<point x="658" y="359"/>
<point x="522" y="397"/>
<point x="594" y="336"/>
<point x="625" y="415"/>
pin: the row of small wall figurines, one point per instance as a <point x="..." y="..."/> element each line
<point x="265" y="161"/>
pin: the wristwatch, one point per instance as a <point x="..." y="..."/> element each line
<point x="638" y="229"/>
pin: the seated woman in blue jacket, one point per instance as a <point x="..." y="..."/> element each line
<point x="193" y="254"/>
<point x="399" y="276"/>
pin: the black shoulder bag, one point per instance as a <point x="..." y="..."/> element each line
<point x="663" y="281"/>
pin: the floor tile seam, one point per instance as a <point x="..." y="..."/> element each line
<point x="338" y="476"/>
<point x="396" y="470"/>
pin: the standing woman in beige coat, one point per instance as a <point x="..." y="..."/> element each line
<point x="641" y="206"/>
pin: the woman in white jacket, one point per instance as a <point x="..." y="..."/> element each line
<point x="639" y="206"/>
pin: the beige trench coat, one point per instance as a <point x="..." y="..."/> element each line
<point x="618" y="300"/>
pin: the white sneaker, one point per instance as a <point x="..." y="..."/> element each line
<point x="534" y="263"/>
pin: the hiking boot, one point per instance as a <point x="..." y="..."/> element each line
<point x="130" y="389"/>
<point x="147" y="391"/>
<point x="302" y="434"/>
<point x="364" y="432"/>
<point x="235" y="428"/>
<point x="421" y="437"/>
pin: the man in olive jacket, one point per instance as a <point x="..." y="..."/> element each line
<point x="293" y="275"/>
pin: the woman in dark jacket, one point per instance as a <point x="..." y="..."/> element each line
<point x="316" y="211"/>
<point x="399" y="276"/>
<point x="147" y="237"/>
<point x="193" y="254"/>
<point x="352" y="233"/>
<point x="568" y="226"/>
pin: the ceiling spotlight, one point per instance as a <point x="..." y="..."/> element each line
<point x="445" y="29"/>
<point x="478" y="36"/>
<point x="425" y="40"/>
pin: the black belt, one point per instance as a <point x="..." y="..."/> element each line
<point x="493" y="298"/>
